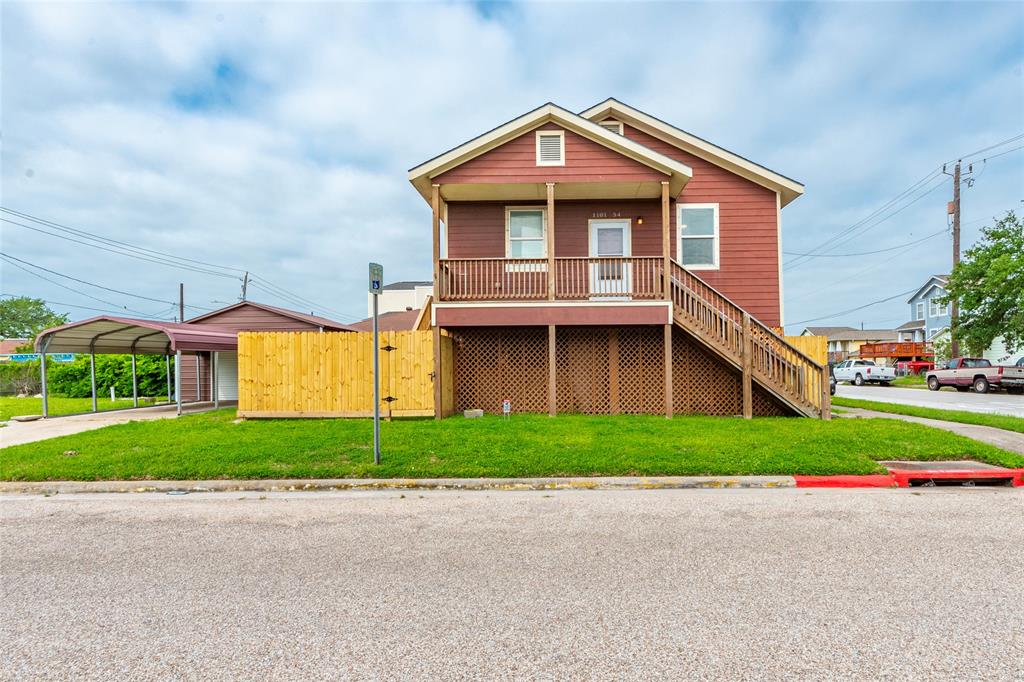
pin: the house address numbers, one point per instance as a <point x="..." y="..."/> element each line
<point x="606" y="214"/>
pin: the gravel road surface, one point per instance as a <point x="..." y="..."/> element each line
<point x="945" y="399"/>
<point x="712" y="584"/>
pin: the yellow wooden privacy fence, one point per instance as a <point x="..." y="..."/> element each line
<point x="330" y="374"/>
<point x="814" y="347"/>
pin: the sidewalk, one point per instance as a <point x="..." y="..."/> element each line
<point x="1000" y="438"/>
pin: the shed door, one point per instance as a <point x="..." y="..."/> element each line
<point x="227" y="376"/>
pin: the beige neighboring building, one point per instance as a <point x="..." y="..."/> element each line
<point x="400" y="296"/>
<point x="845" y="342"/>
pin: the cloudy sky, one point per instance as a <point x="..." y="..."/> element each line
<point x="275" y="138"/>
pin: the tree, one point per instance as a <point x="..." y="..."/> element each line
<point x="988" y="284"/>
<point x="23" y="317"/>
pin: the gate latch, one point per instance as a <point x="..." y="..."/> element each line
<point x="389" y="399"/>
<point x="389" y="348"/>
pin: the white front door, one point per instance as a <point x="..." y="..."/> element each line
<point x="611" y="276"/>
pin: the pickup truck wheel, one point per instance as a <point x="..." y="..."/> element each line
<point x="933" y="384"/>
<point x="858" y="380"/>
<point x="981" y="385"/>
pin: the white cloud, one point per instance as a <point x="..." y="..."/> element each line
<point x="292" y="161"/>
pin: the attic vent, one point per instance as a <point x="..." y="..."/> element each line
<point x="612" y="126"/>
<point x="550" y="148"/>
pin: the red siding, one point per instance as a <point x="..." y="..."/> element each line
<point x="749" y="246"/>
<point x="477" y="229"/>
<point x="516" y="162"/>
<point x="250" y="318"/>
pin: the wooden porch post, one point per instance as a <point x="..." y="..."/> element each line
<point x="551" y="242"/>
<point x="666" y="242"/>
<point x="552" y="372"/>
<point x="435" y="203"/>
<point x="748" y="396"/>
<point x="668" y="372"/>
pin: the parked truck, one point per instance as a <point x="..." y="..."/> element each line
<point x="979" y="374"/>
<point x="860" y="372"/>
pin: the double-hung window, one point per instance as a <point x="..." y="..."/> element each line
<point x="936" y="309"/>
<point x="526" y="233"/>
<point x="920" y="311"/>
<point x="697" y="231"/>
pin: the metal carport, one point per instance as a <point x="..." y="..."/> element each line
<point x="129" y="336"/>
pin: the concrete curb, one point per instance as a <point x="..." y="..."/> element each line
<point x="282" y="485"/>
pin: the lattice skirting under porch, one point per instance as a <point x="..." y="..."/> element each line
<point x="599" y="370"/>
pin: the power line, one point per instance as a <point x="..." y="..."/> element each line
<point x="64" y="286"/>
<point x="830" y="244"/>
<point x="121" y="252"/>
<point x="863" y="253"/>
<point x="98" y="286"/>
<point x="853" y="310"/>
<point x="163" y="258"/>
<point x="91" y="235"/>
<point x="83" y="307"/>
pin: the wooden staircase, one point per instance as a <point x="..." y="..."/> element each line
<point x="762" y="356"/>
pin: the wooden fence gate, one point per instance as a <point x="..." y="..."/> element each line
<point x="330" y="374"/>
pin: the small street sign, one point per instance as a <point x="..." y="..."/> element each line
<point x="376" y="278"/>
<point x="506" y="407"/>
<point x="376" y="286"/>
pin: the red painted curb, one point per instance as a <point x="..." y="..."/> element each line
<point x="846" y="481"/>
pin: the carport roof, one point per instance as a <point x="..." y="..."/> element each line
<point x="106" y="334"/>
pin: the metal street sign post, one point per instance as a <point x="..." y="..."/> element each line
<point x="376" y="284"/>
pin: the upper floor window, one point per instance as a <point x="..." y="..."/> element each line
<point x="550" y="148"/>
<point x="612" y="126"/>
<point x="935" y="309"/>
<point x="526" y="233"/>
<point x="920" y="312"/>
<point x="697" y="243"/>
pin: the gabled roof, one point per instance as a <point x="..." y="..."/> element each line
<point x="913" y="324"/>
<point x="301" y="317"/>
<point x="825" y="331"/>
<point x="422" y="175"/>
<point x="398" y="320"/>
<point x="787" y="188"/>
<point x="941" y="280"/>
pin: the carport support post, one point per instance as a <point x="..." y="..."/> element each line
<point x="168" y="359"/>
<point x="213" y="381"/>
<point x="92" y="379"/>
<point x="177" y="379"/>
<point x="42" y="377"/>
<point x="135" y="384"/>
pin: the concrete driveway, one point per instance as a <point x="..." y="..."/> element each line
<point x="16" y="433"/>
<point x="947" y="399"/>
<point x="725" y="584"/>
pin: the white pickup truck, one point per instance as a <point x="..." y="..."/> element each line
<point x="860" y="372"/>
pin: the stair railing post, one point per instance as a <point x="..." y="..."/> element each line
<point x="826" y="397"/>
<point x="748" y="351"/>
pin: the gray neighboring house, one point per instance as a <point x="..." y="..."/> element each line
<point x="929" y="317"/>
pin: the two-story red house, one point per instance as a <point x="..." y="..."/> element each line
<point x="608" y="262"/>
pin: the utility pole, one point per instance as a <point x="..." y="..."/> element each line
<point x="245" y="285"/>
<point x="181" y="302"/>
<point x="954" y="312"/>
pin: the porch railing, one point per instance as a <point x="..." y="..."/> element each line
<point x="517" y="279"/>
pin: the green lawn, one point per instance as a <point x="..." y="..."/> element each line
<point x="211" y="445"/>
<point x="999" y="421"/>
<point x="911" y="381"/>
<point x="14" y="407"/>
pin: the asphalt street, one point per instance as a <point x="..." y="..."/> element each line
<point x="947" y="398"/>
<point x="709" y="584"/>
